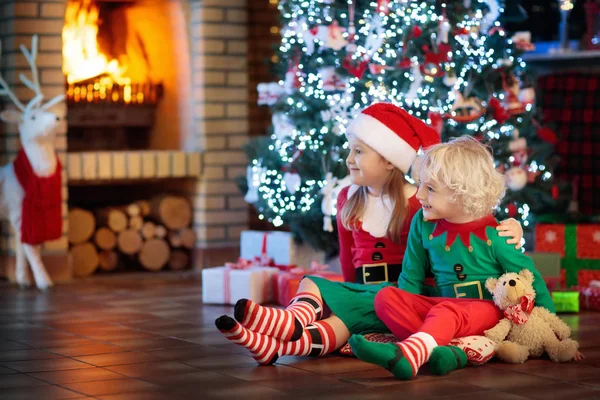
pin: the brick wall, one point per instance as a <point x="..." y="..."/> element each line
<point x="19" y="19"/>
<point x="219" y="42"/>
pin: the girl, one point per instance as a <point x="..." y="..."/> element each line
<point x="375" y="214"/>
<point x="452" y="235"/>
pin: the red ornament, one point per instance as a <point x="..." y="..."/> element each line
<point x="437" y="121"/>
<point x="405" y="63"/>
<point x="547" y="135"/>
<point x="355" y="70"/>
<point x="499" y="112"/>
<point x="512" y="210"/>
<point x="416" y="31"/>
<point x="555" y="192"/>
<point x="383" y="6"/>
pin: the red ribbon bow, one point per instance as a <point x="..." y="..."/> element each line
<point x="519" y="313"/>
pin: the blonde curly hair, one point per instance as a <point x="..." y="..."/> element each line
<point x="466" y="167"/>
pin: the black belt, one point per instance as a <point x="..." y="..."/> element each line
<point x="377" y="273"/>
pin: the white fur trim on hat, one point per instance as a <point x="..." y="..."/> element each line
<point x="383" y="140"/>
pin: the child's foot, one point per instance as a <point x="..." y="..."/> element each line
<point x="386" y="355"/>
<point x="286" y="325"/>
<point x="445" y="359"/>
<point x="264" y="349"/>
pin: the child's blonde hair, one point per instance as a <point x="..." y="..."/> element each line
<point x="466" y="167"/>
<point x="394" y="188"/>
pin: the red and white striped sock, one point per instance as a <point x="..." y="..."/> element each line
<point x="317" y="339"/>
<point x="416" y="349"/>
<point x="287" y="324"/>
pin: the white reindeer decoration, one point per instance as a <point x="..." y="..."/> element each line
<point x="30" y="186"/>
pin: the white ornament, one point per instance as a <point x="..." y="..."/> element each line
<point x="331" y="80"/>
<point x="449" y="80"/>
<point x="282" y="126"/>
<point x="596" y="236"/>
<point x="342" y="110"/>
<point x="527" y="96"/>
<point x="412" y="93"/>
<point x="375" y="37"/>
<point x="37" y="129"/>
<point x="269" y="93"/>
<point x="292" y="181"/>
<point x="516" y="178"/>
<point x="442" y="36"/>
<point x="330" y="192"/>
<point x="491" y="16"/>
<point x="550" y="237"/>
<point x="254" y="176"/>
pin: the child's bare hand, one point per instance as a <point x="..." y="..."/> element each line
<point x="578" y="356"/>
<point x="511" y="228"/>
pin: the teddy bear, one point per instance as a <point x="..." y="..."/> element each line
<point x="526" y="330"/>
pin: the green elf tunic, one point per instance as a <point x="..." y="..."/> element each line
<point x="461" y="256"/>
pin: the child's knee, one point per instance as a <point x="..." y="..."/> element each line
<point x="386" y="301"/>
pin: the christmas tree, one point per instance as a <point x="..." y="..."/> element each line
<point x="450" y="63"/>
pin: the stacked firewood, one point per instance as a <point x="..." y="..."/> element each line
<point x="154" y="234"/>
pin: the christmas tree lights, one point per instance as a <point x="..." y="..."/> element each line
<point x="449" y="63"/>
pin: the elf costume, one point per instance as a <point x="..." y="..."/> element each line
<point x="461" y="257"/>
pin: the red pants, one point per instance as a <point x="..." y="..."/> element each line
<point x="443" y="318"/>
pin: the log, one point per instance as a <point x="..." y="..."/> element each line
<point x="174" y="239"/>
<point x="188" y="238"/>
<point x="174" y="212"/>
<point x="114" y="218"/>
<point x="148" y="229"/>
<point x="129" y="241"/>
<point x="81" y="225"/>
<point x="85" y="259"/>
<point x="144" y="206"/>
<point x="105" y="239"/>
<point x="136" y="223"/>
<point x="133" y="210"/>
<point x="179" y="260"/>
<point x="160" y="232"/>
<point x="155" y="254"/>
<point x="108" y="260"/>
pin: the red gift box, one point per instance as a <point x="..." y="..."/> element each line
<point x="289" y="281"/>
<point x="589" y="298"/>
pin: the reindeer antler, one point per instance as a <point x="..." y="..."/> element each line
<point x="31" y="60"/>
<point x="5" y="89"/>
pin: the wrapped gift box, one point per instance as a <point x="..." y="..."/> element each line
<point x="280" y="246"/>
<point x="578" y="245"/>
<point x="288" y="283"/>
<point x="589" y="298"/>
<point x="224" y="285"/>
<point x="548" y="265"/>
<point x="566" y="301"/>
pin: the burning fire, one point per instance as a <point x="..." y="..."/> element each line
<point x="82" y="60"/>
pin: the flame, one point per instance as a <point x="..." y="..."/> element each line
<point x="82" y="59"/>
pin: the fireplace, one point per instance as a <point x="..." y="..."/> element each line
<point x="156" y="101"/>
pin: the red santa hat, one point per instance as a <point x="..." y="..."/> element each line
<point x="393" y="133"/>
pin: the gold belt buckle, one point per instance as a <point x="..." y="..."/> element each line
<point x="366" y="274"/>
<point x="472" y="283"/>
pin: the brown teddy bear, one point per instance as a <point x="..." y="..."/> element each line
<point x="526" y="330"/>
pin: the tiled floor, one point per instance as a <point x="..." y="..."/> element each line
<point x="146" y="336"/>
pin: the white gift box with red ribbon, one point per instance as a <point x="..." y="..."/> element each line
<point x="226" y="285"/>
<point x="280" y="247"/>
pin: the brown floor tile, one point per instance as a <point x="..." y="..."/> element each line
<point x="54" y="364"/>
<point x="222" y="361"/>
<point x="487" y="395"/>
<point x="559" y="391"/>
<point x="87" y="350"/>
<point x="327" y="365"/>
<point x="311" y="385"/>
<point x="77" y="375"/>
<point x="152" y="344"/>
<point x="8" y="345"/>
<point x="566" y="372"/>
<point x="48" y="392"/>
<point x="6" y="371"/>
<point x="132" y="357"/>
<point x="152" y="368"/>
<point x="196" y="379"/>
<point x="115" y="386"/>
<point x="593" y="383"/>
<point x="499" y="379"/>
<point x="28" y="354"/>
<point x="261" y="373"/>
<point x="419" y="389"/>
<point x="377" y="377"/>
<point x="188" y="353"/>
<point x="246" y="390"/>
<point x="17" y="381"/>
<point x="140" y="396"/>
